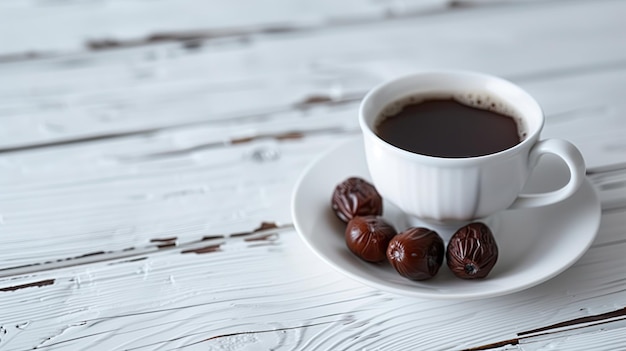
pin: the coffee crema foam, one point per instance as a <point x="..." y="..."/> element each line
<point x="481" y="101"/>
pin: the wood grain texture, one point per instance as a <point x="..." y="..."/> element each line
<point x="243" y="294"/>
<point x="147" y="164"/>
<point x="78" y="25"/>
<point x="90" y="95"/>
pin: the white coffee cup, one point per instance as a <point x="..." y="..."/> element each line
<point x="449" y="190"/>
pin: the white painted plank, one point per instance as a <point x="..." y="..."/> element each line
<point x="276" y="293"/>
<point x="106" y="203"/>
<point x="53" y="26"/>
<point x="86" y="95"/>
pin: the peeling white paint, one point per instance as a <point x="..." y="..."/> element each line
<point x="153" y="241"/>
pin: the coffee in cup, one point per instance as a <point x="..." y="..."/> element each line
<point x="454" y="126"/>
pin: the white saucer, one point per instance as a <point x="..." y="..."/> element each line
<point x="534" y="244"/>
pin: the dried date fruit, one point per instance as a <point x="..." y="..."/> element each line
<point x="356" y="197"/>
<point x="472" y="251"/>
<point x="416" y="253"/>
<point x="368" y="237"/>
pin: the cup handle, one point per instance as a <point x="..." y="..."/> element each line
<point x="575" y="162"/>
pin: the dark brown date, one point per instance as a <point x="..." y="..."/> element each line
<point x="416" y="253"/>
<point x="472" y="251"/>
<point x="368" y="237"/>
<point x="356" y="197"/>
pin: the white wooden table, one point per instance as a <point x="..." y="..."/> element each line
<point x="148" y="151"/>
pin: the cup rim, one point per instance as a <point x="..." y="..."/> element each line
<point x="530" y="139"/>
